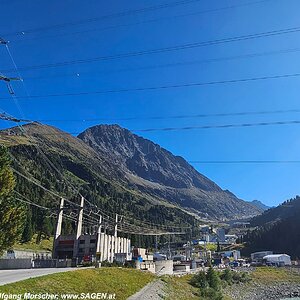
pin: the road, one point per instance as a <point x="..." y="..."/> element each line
<point x="10" y="276"/>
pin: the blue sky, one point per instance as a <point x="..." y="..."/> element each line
<point x="270" y="183"/>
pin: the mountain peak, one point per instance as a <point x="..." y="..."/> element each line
<point x="152" y="169"/>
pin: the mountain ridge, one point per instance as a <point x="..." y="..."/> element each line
<point x="149" y="166"/>
<point x="116" y="164"/>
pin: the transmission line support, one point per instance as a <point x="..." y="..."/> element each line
<point x="3" y="41"/>
<point x="8" y="81"/>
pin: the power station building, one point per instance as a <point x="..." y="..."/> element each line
<point x="83" y="247"/>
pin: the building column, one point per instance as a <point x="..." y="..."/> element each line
<point x="79" y="229"/>
<point x="99" y="236"/>
<point x="122" y="245"/>
<point x="109" y="248"/>
<point x="113" y="241"/>
<point x="105" y="246"/>
<point x="58" y="227"/>
<point x="128" y="247"/>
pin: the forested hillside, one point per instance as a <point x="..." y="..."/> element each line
<point x="117" y="171"/>
<point x="59" y="162"/>
<point x="278" y="230"/>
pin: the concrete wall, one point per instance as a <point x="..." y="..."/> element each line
<point x="22" y="263"/>
<point x="110" y="245"/>
<point x="182" y="268"/>
<point x="164" y="267"/>
<point x="146" y="266"/>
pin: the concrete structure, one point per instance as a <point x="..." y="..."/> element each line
<point x="98" y="246"/>
<point x="146" y="266"/>
<point x="231" y="238"/>
<point x="258" y="256"/>
<point x="159" y="256"/>
<point x="278" y="259"/>
<point x="16" y="254"/>
<point x="164" y="267"/>
<point x="182" y="268"/>
<point x="221" y="235"/>
<point x="21" y="263"/>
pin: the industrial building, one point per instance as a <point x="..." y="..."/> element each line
<point x="278" y="259"/>
<point x="258" y="256"/>
<point x="89" y="247"/>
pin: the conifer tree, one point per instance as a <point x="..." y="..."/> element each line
<point x="11" y="215"/>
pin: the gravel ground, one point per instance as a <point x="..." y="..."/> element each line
<point x="256" y="291"/>
<point x="152" y="291"/>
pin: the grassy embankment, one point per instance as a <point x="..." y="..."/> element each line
<point x="266" y="275"/>
<point x="122" y="282"/>
<point x="179" y="288"/>
<point x="43" y="245"/>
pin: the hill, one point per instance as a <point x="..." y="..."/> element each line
<point x="260" y="205"/>
<point x="118" y="171"/>
<point x="283" y="211"/>
<point x="153" y="170"/>
<point x="278" y="229"/>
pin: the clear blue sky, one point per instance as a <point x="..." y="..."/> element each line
<point x="270" y="183"/>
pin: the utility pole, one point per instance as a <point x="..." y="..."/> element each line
<point x="5" y="78"/>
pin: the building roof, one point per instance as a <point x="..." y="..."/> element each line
<point x="275" y="256"/>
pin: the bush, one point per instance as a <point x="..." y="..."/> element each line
<point x="226" y="275"/>
<point x="199" y="280"/>
<point x="213" y="279"/>
<point x="211" y="294"/>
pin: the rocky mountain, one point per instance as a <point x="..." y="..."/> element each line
<point x="66" y="165"/>
<point x="116" y="170"/>
<point x="155" y="171"/>
<point x="260" y="205"/>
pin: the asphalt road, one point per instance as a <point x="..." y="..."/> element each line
<point x="10" y="276"/>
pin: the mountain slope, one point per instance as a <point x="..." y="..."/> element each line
<point x="260" y="205"/>
<point x="157" y="172"/>
<point x="65" y="164"/>
<point x="278" y="230"/>
<point x="283" y="211"/>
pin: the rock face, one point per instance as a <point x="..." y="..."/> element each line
<point x="260" y="205"/>
<point x="154" y="170"/>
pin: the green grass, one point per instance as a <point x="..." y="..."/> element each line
<point x="44" y="245"/>
<point x="123" y="282"/>
<point x="179" y="288"/>
<point x="270" y="275"/>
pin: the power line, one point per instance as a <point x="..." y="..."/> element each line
<point x="104" y="17"/>
<point x="141" y="22"/>
<point x="169" y="65"/>
<point x="161" y="87"/>
<point x="220" y="126"/>
<point x="165" y="49"/>
<point x="194" y="116"/>
<point x="244" y="161"/>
